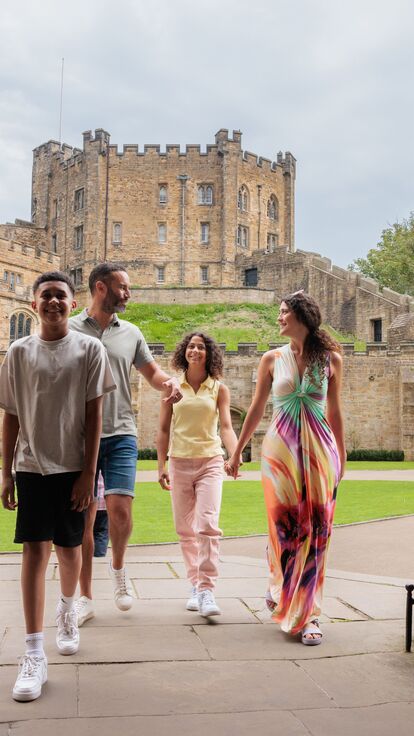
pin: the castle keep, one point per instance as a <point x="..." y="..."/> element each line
<point x="176" y="218"/>
<point x="207" y="226"/>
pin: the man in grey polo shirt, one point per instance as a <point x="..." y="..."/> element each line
<point x="126" y="347"/>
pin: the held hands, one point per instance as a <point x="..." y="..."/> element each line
<point x="164" y="481"/>
<point x="82" y="491"/>
<point x="175" y="394"/>
<point x="232" y="465"/>
<point x="7" y="493"/>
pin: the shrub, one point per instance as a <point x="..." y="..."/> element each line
<point x="147" y="453"/>
<point x="376" y="455"/>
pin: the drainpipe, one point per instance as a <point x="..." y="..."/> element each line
<point x="259" y="199"/>
<point x="183" y="178"/>
<point x="105" y="152"/>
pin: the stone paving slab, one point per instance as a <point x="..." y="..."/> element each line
<point x="230" y="570"/>
<point x="332" y="609"/>
<point x="136" y="570"/>
<point x="168" y="612"/>
<point x="361" y="578"/>
<point x="231" y="588"/>
<point x="368" y="679"/>
<point x="245" y="560"/>
<point x="100" y="644"/>
<point x="143" y="613"/>
<point x="198" y="687"/>
<point x="378" y="720"/>
<point x="268" y="723"/>
<point x="238" y="642"/>
<point x="59" y="695"/>
<point x="12" y="571"/>
<point x="376" y="601"/>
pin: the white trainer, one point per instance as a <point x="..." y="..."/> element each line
<point x="207" y="605"/>
<point x="192" y="603"/>
<point x="31" y="676"/>
<point x="123" y="591"/>
<point x="84" y="609"/>
<point x="67" y="635"/>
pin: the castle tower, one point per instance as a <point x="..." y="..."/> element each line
<point x="173" y="218"/>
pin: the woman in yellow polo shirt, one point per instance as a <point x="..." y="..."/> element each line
<point x="188" y="434"/>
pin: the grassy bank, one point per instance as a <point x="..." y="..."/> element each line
<point x="227" y="323"/>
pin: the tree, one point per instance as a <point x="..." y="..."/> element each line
<point x="391" y="263"/>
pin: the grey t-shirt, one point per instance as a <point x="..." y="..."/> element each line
<point x="46" y="384"/>
<point x="125" y="346"/>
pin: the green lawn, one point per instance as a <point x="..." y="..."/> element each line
<point x="351" y="465"/>
<point x="243" y="509"/>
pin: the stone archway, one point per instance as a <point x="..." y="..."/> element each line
<point x="237" y="418"/>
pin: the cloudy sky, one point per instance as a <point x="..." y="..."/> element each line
<point x="329" y="80"/>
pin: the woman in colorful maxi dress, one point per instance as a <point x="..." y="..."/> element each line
<point x="303" y="459"/>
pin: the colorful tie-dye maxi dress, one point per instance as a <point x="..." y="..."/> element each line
<point x="300" y="473"/>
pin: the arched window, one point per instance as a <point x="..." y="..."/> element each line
<point x="163" y="194"/>
<point x="117" y="233"/>
<point x="20" y="326"/>
<point x="205" y="194"/>
<point x="243" y="199"/>
<point x="272" y="208"/>
<point x="13" y="321"/>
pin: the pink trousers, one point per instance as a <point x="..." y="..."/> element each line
<point x="196" y="488"/>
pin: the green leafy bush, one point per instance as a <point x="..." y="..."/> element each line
<point x="147" y="453"/>
<point x="388" y="455"/>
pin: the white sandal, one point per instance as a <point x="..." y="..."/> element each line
<point x="312" y="627"/>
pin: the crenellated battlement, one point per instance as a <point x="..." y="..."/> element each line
<point x="70" y="155"/>
<point x="171" y="151"/>
<point x="249" y="349"/>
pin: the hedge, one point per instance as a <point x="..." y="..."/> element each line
<point x="147" y="453"/>
<point x="375" y="455"/>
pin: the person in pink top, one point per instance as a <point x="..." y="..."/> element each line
<point x="188" y="433"/>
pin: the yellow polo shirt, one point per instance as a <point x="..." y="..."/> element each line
<point x="194" y="421"/>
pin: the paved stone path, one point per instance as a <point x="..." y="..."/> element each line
<point x="161" y="670"/>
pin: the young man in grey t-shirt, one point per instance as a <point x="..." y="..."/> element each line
<point x="126" y="347"/>
<point x="51" y="389"/>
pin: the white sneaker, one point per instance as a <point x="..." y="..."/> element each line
<point x="31" y="676"/>
<point x="192" y="603"/>
<point x="207" y="606"/>
<point x="67" y="636"/>
<point x="123" y="591"/>
<point x="83" y="609"/>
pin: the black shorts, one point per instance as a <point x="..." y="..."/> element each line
<point x="44" y="509"/>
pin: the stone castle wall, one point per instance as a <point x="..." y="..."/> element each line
<point x="378" y="397"/>
<point x="349" y="301"/>
<point x="22" y="259"/>
<point x="122" y="190"/>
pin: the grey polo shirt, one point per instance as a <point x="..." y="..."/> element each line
<point x="125" y="346"/>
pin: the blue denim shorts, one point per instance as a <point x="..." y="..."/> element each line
<point x="117" y="461"/>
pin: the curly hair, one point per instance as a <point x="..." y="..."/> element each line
<point x="318" y="342"/>
<point x="214" y="357"/>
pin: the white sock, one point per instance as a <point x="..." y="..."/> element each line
<point x="114" y="569"/>
<point x="66" y="603"/>
<point x="34" y="644"/>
